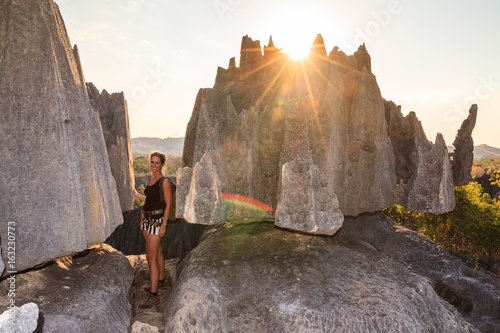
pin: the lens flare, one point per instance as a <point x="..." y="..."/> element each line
<point x="242" y="200"/>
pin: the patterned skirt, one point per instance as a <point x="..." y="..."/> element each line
<point x="152" y="225"/>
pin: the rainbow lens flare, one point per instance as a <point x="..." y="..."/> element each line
<point x="238" y="202"/>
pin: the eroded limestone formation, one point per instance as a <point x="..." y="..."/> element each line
<point x="85" y="293"/>
<point x="423" y="173"/>
<point x="314" y="140"/>
<point x="59" y="196"/>
<point x="258" y="278"/>
<point x="113" y="113"/>
<point x="463" y="155"/>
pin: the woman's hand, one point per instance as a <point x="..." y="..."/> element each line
<point x="139" y="196"/>
<point x="163" y="230"/>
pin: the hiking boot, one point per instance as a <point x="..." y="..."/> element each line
<point x="161" y="285"/>
<point x="150" y="302"/>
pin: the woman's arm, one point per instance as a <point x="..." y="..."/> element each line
<point x="167" y="194"/>
<point x="139" y="196"/>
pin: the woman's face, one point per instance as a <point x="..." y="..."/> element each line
<point x="155" y="164"/>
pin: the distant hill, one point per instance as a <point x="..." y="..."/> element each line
<point x="482" y="151"/>
<point x="485" y="151"/>
<point x="174" y="146"/>
<point x="168" y="146"/>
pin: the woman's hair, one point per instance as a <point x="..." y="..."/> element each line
<point x="161" y="156"/>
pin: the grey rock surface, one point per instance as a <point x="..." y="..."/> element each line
<point x="19" y="320"/>
<point x="199" y="191"/>
<point x="62" y="196"/>
<point x="258" y="278"/>
<point x="307" y="197"/>
<point x="269" y="115"/>
<point x="138" y="327"/>
<point x="113" y="114"/>
<point x="2" y="264"/>
<point x="88" y="292"/>
<point x="463" y="155"/>
<point x="423" y="173"/>
<point x="474" y="292"/>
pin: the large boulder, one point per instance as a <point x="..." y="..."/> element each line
<point x="61" y="196"/>
<point x="313" y="141"/>
<point x="113" y="113"/>
<point x="88" y="292"/>
<point x="19" y="319"/>
<point x="258" y="278"/>
<point x="474" y="292"/>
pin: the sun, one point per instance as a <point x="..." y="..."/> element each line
<point x="294" y="29"/>
<point x="297" y="52"/>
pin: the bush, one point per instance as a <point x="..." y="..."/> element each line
<point x="473" y="227"/>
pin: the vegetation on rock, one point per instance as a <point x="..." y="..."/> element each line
<point x="473" y="227"/>
<point x="490" y="167"/>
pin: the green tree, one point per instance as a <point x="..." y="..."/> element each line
<point x="138" y="203"/>
<point x="141" y="165"/>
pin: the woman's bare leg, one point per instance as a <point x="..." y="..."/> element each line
<point x="152" y="246"/>
<point x="160" y="260"/>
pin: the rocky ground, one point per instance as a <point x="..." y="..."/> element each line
<point x="98" y="290"/>
<point x="373" y="276"/>
<point x="153" y="319"/>
<point x="85" y="292"/>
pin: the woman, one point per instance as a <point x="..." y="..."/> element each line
<point x="153" y="223"/>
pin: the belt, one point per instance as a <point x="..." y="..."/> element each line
<point x="154" y="212"/>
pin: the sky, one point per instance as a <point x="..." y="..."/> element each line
<point x="432" y="57"/>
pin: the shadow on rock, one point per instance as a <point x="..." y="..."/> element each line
<point x="181" y="237"/>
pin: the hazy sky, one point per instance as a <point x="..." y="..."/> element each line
<point x="432" y="57"/>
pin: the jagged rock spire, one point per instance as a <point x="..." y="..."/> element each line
<point x="306" y="141"/>
<point x="113" y="113"/>
<point x="250" y="54"/>
<point x="318" y="47"/>
<point x="271" y="44"/>
<point x="270" y="50"/>
<point x="463" y="155"/>
<point x="363" y="58"/>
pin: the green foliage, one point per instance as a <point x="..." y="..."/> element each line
<point x="172" y="163"/>
<point x="473" y="227"/>
<point x="494" y="177"/>
<point x="141" y="165"/>
<point x="138" y="203"/>
<point x="489" y="166"/>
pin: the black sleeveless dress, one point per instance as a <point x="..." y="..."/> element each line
<point x="153" y="202"/>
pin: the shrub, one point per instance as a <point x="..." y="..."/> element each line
<point x="473" y="227"/>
